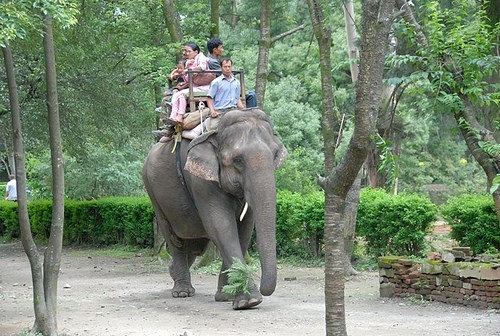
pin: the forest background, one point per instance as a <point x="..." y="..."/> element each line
<point x="113" y="59"/>
<point x="113" y="67"/>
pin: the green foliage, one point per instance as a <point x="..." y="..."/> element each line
<point x="239" y="279"/>
<point x="388" y="160"/>
<point x="9" y="223"/>
<point x="495" y="184"/>
<point x="14" y="21"/>
<point x="458" y="57"/>
<point x="300" y="224"/>
<point x="106" y="221"/>
<point x="106" y="172"/>
<point x="394" y="224"/>
<point x="473" y="221"/>
<point x="298" y="173"/>
<point x="433" y="153"/>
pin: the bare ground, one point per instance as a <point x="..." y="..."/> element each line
<point x="102" y="295"/>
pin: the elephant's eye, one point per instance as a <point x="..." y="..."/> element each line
<point x="238" y="160"/>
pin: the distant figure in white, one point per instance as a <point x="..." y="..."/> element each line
<point x="11" y="189"/>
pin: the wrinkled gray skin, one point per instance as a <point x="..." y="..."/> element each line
<point x="222" y="170"/>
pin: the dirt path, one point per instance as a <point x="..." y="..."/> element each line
<point x="110" y="296"/>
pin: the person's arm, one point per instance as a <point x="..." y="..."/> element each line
<point x="240" y="104"/>
<point x="213" y="112"/>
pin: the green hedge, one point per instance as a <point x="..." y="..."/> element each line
<point x="390" y="224"/>
<point x="394" y="224"/>
<point x="299" y="224"/>
<point x="105" y="221"/>
<point x="473" y="222"/>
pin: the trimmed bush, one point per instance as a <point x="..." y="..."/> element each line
<point x="473" y="222"/>
<point x="299" y="224"/>
<point x="106" y="221"/>
<point x="394" y="224"/>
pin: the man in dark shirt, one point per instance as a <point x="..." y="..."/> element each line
<point x="215" y="51"/>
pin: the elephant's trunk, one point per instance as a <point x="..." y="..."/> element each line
<point x="262" y="201"/>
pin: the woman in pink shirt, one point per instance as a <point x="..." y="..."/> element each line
<point x="195" y="61"/>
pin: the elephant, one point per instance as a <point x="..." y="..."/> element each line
<point x="199" y="188"/>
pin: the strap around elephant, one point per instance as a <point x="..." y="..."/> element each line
<point x="180" y="173"/>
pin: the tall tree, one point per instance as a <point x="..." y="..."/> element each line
<point x="44" y="317"/>
<point x="44" y="277"/>
<point x="352" y="200"/>
<point x="214" y="17"/>
<point x="377" y="19"/>
<point x="264" y="45"/>
<point x="350" y="28"/>
<point x="52" y="256"/>
<point x="172" y="20"/>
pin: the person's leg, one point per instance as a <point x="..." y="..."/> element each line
<point x="251" y="99"/>
<point x="181" y="103"/>
<point x="175" y="105"/>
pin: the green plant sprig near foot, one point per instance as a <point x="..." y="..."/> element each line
<point x="240" y="278"/>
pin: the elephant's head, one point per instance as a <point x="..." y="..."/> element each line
<point x="242" y="156"/>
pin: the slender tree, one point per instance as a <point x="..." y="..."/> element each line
<point x="44" y="276"/>
<point x="264" y="45"/>
<point x="172" y="20"/>
<point x="52" y="256"/>
<point x="377" y="19"/>
<point x="352" y="200"/>
<point x="350" y="28"/>
<point x="44" y="319"/>
<point x="214" y="17"/>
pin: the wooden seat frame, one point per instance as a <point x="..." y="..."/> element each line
<point x="194" y="99"/>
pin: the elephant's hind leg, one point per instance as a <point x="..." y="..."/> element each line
<point x="179" y="271"/>
<point x="182" y="260"/>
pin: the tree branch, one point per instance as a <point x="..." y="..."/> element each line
<point x="285" y="34"/>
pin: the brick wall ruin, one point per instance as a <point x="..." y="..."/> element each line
<point x="475" y="284"/>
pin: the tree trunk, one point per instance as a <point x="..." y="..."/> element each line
<point x="52" y="257"/>
<point x="489" y="163"/>
<point x="234" y="14"/>
<point x="353" y="195"/>
<point x="41" y="318"/>
<point x="350" y="28"/>
<point x="172" y="20"/>
<point x="350" y="214"/>
<point x="264" y="45"/>
<point x="376" y="26"/>
<point x="214" y="17"/>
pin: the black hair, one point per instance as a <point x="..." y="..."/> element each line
<point x="192" y="45"/>
<point x="225" y="60"/>
<point x="213" y="43"/>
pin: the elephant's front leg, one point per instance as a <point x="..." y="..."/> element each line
<point x="241" y="300"/>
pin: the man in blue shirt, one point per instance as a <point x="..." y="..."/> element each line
<point x="225" y="91"/>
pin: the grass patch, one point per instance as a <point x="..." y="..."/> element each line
<point x="300" y="262"/>
<point x="116" y="251"/>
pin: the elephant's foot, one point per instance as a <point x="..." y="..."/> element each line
<point x="245" y="302"/>
<point x="241" y="301"/>
<point x="182" y="290"/>
<point x="220" y="296"/>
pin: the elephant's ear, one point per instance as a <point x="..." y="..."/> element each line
<point x="282" y="152"/>
<point x="202" y="159"/>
